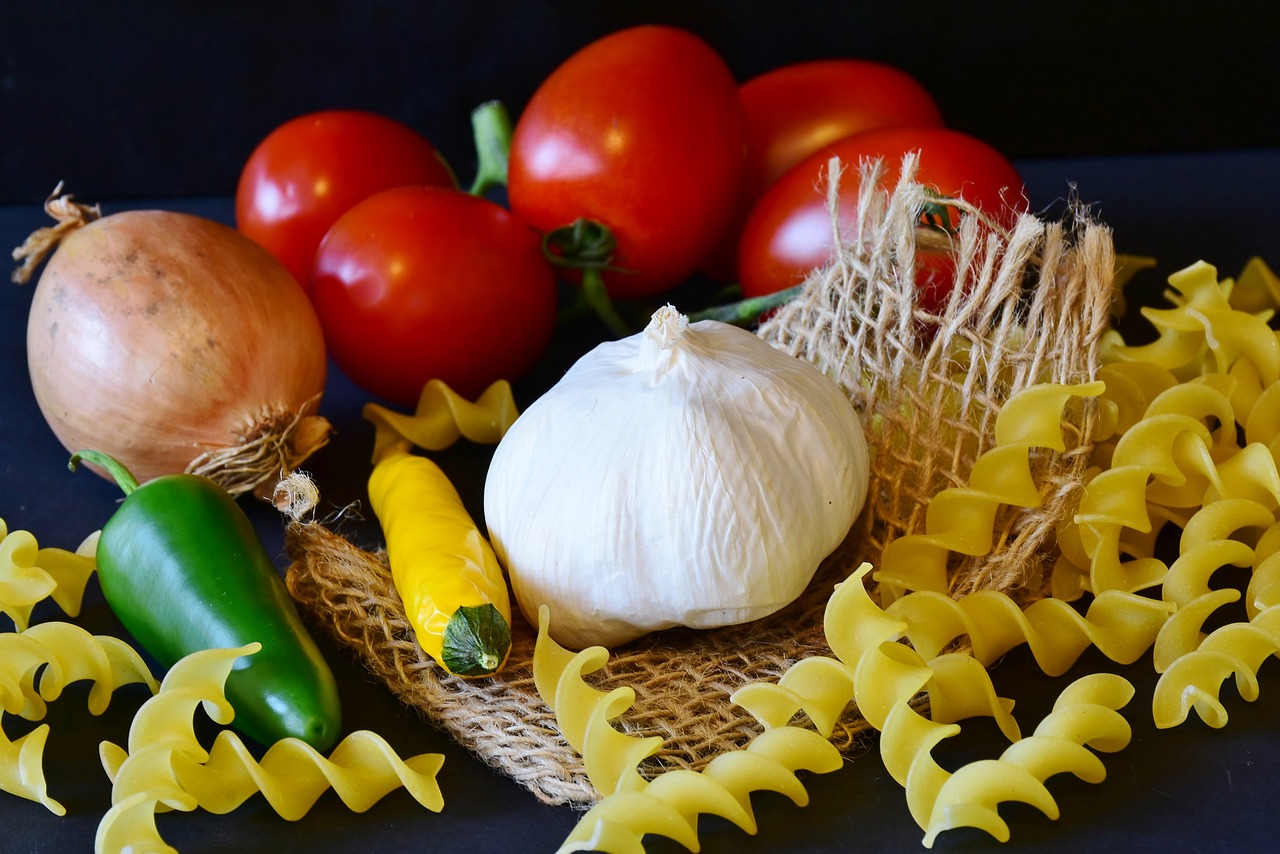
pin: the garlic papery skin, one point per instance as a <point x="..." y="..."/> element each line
<point x="689" y="475"/>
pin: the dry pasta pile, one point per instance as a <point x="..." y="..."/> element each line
<point x="1186" y="438"/>
<point x="165" y="765"/>
<point x="37" y="662"/>
<point x="882" y="677"/>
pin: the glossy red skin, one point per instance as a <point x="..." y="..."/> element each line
<point x="793" y="111"/>
<point x="421" y="283"/>
<point x="641" y="130"/>
<point x="789" y="231"/>
<point x="310" y="170"/>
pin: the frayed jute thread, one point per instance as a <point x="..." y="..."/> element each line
<point x="1031" y="305"/>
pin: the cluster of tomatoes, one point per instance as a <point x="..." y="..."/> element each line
<point x="636" y="165"/>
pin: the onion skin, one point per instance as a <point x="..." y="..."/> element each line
<point x="160" y="338"/>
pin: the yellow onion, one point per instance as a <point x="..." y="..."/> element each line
<point x="172" y="343"/>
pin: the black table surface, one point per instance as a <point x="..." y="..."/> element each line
<point x="1190" y="788"/>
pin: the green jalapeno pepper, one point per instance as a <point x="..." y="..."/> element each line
<point x="183" y="569"/>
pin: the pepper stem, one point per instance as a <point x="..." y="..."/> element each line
<point x="491" y="127"/>
<point x="122" y="476"/>
<point x="477" y="640"/>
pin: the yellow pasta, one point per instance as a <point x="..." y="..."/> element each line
<point x="820" y="686"/>
<point x="582" y="713"/>
<point x="1113" y="523"/>
<point x="883" y="676"/>
<point x="60" y="653"/>
<point x="1084" y="716"/>
<point x="961" y="519"/>
<point x="1204" y="333"/>
<point x="1182" y="455"/>
<point x="1168" y="454"/>
<point x="129" y="826"/>
<point x="1220" y="533"/>
<point x="1217" y="479"/>
<point x="1193" y="681"/>
<point x="887" y="675"/>
<point x="670" y="803"/>
<point x="1122" y="626"/>
<point x="1263" y="590"/>
<point x="1262" y="423"/>
<point x="166" y="767"/>
<point x="30" y="574"/>
<point x="1194" y="666"/>
<point x="1132" y="387"/>
<point x="1257" y="290"/>
<point x="1183" y="634"/>
<point x="442" y="417"/>
<point x="1166" y="449"/>
<point x="959" y="687"/>
<point x="887" y="678"/>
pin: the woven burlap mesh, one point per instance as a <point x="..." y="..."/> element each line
<point x="1036" y="300"/>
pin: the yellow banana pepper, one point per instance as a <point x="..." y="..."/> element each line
<point x="448" y="577"/>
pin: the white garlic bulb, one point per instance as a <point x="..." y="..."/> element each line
<point x="689" y="475"/>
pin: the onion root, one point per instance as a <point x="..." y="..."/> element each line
<point x="273" y="446"/>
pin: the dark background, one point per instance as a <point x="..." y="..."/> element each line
<point x="153" y="99"/>
<point x="1164" y="114"/>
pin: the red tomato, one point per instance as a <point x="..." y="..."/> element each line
<point x="789" y="231"/>
<point x="421" y="283"/>
<point x="641" y="131"/>
<point x="795" y="110"/>
<point x="312" y="169"/>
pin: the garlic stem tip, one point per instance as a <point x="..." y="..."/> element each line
<point x="667" y="326"/>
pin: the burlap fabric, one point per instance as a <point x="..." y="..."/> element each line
<point x="1035" y="302"/>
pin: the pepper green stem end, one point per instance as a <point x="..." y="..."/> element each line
<point x="122" y="476"/>
<point x="477" y="639"/>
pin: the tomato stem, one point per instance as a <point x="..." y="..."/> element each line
<point x="936" y="213"/>
<point x="576" y="310"/>
<point x="580" y="245"/>
<point x="587" y="246"/>
<point x="491" y="126"/>
<point x="746" y="312"/>
<point x="596" y="295"/>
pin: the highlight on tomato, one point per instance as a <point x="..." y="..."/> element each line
<point x="795" y="110"/>
<point x="313" y="168"/>
<point x="789" y="232"/>
<point x="640" y="131"/>
<point x="421" y="283"/>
